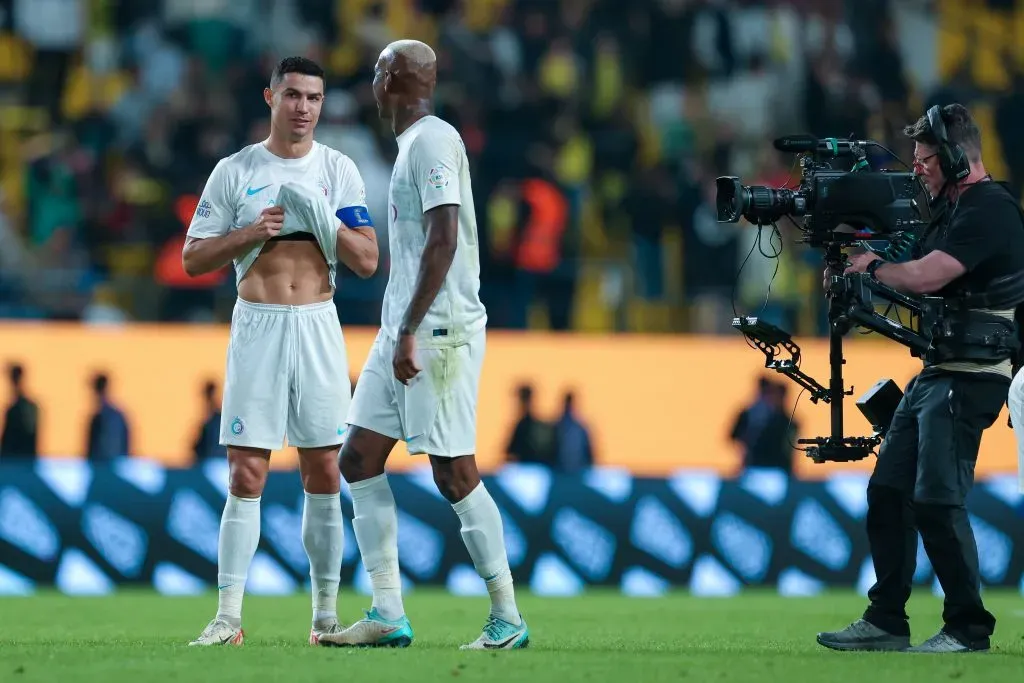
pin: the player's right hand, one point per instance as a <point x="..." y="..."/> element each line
<point x="269" y="223"/>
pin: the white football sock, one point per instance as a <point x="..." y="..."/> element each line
<point x="323" y="537"/>
<point x="485" y="539"/>
<point x="239" y="536"/>
<point x="375" y="522"/>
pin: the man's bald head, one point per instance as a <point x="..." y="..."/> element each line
<point x="405" y="77"/>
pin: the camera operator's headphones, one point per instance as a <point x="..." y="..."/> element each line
<point x="952" y="159"/>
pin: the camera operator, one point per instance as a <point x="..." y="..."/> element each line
<point x="925" y="466"/>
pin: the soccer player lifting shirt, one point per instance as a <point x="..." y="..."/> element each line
<point x="284" y="211"/>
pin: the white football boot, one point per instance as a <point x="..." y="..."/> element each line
<point x="219" y="632"/>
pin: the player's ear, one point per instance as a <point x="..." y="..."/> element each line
<point x="268" y="97"/>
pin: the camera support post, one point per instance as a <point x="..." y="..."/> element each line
<point x="836" y="447"/>
<point x="771" y="341"/>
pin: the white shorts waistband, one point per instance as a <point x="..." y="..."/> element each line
<point x="285" y="309"/>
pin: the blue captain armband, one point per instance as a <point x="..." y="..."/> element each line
<point x="355" y="217"/>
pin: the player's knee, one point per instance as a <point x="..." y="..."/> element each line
<point x="248" y="475"/>
<point x="354" y="466"/>
<point x="450" y="487"/>
<point x="322" y="481"/>
<point x="364" y="454"/>
<point x="350" y="464"/>
<point x="455" y="483"/>
<point x="320" y="473"/>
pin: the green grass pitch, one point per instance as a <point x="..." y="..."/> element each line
<point x="140" y="637"/>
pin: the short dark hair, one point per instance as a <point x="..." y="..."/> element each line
<point x="100" y="381"/>
<point x="15" y="371"/>
<point x="960" y="130"/>
<point x="295" y="65"/>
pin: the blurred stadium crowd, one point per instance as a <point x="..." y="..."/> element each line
<point x="595" y="130"/>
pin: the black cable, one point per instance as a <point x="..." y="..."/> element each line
<point x="897" y="310"/>
<point x="796" y="163"/>
<point x="757" y="245"/>
<point x="952" y="214"/>
<point x="890" y="307"/>
<point x="892" y="154"/>
<point x="776" y="256"/>
<point x="789" y="427"/>
<point x="736" y="285"/>
<point x="760" y="248"/>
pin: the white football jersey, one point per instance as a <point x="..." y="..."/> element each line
<point x="432" y="170"/>
<point x="245" y="183"/>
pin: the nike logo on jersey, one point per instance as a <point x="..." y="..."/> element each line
<point x="251" y="191"/>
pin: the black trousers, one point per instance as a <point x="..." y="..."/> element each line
<point x="924" y="471"/>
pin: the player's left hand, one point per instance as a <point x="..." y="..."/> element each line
<point x="404" y="361"/>
<point x="859" y="263"/>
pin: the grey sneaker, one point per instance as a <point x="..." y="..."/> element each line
<point x="860" y="635"/>
<point x="943" y="642"/>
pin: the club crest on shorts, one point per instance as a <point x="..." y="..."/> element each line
<point x="237" y="426"/>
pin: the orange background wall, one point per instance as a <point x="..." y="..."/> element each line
<point x="653" y="404"/>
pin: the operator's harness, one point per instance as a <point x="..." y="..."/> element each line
<point x="963" y="327"/>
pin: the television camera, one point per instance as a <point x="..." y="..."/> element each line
<point x="844" y="203"/>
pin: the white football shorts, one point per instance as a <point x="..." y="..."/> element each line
<point x="1015" y="402"/>
<point x="436" y="412"/>
<point x="287" y="376"/>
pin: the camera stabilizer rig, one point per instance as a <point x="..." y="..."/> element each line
<point x="946" y="329"/>
<point x="839" y="208"/>
<point x="850" y="303"/>
<point x="835" y="447"/>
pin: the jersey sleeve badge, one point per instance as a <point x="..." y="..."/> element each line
<point x="437" y="178"/>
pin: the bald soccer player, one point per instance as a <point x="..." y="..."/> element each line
<point x="421" y="380"/>
<point x="284" y="211"/>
